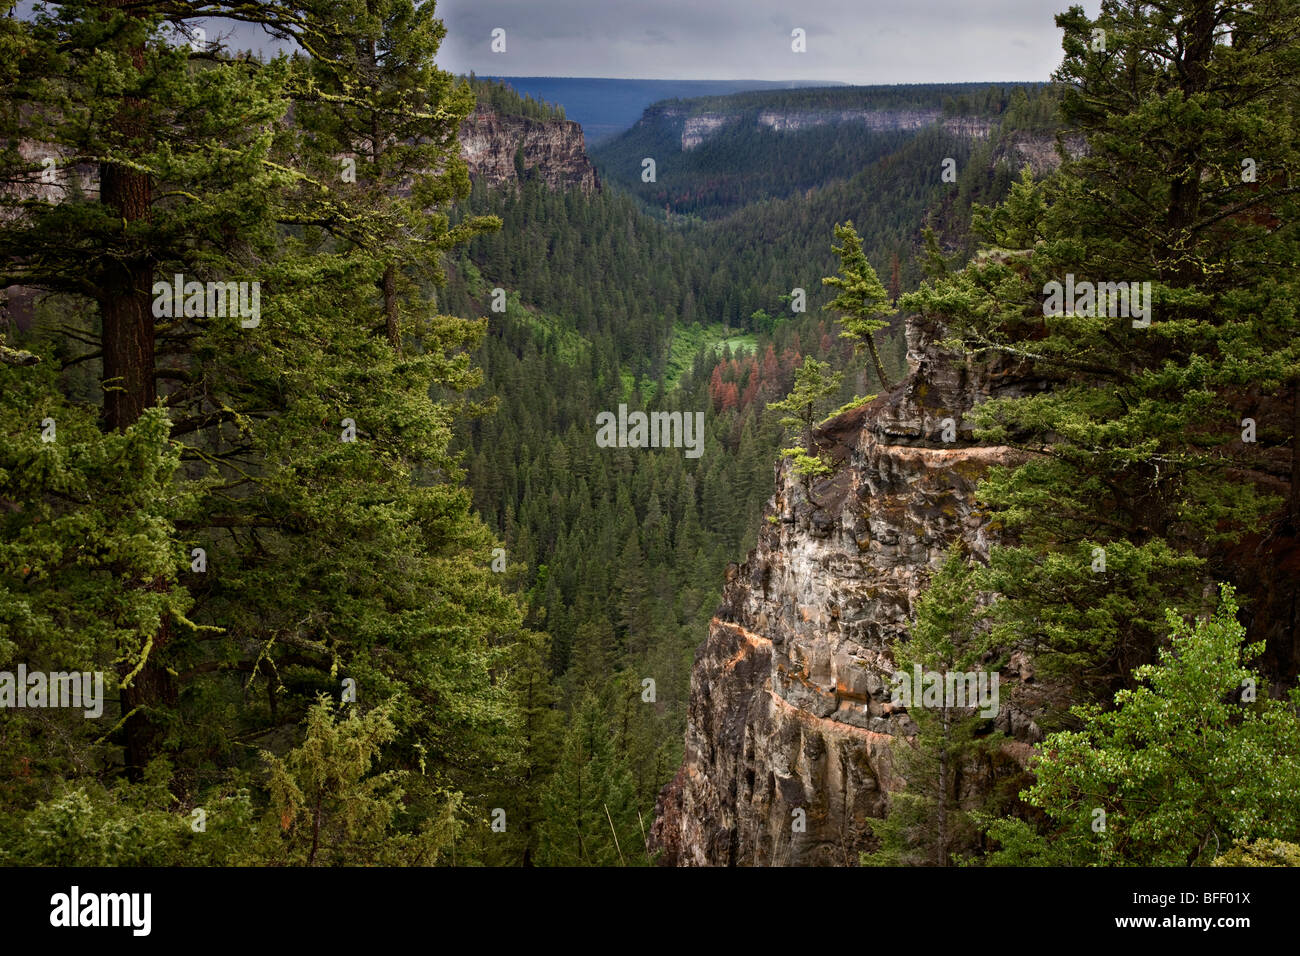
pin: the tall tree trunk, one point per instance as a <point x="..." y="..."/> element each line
<point x="128" y="332"/>
<point x="880" y="369"/>
<point x="1294" y="503"/>
<point x="390" y="307"/>
<point x="129" y="389"/>
<point x="941" y="823"/>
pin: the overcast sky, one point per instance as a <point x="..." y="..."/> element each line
<point x="849" y="41"/>
<point x="852" y="41"/>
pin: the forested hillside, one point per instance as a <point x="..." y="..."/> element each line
<point x="606" y="106"/>
<point x="714" y="155"/>
<point x="621" y="554"/>
<point x="983" y="99"/>
<point x="504" y="100"/>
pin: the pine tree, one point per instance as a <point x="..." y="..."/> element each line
<point x="161" y="182"/>
<point x="334" y="807"/>
<point x="861" y="299"/>
<point x="632" y="588"/>
<point x="1133" y="464"/>
<point x="929" y="822"/>
<point x="815" y="384"/>
<point x="518" y="790"/>
<point x="589" y="805"/>
<point x="372" y="90"/>
<point x="304" y="454"/>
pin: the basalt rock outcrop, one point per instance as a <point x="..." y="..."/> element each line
<point x="790" y="694"/>
<point x="552" y="149"/>
<point x="697" y="127"/>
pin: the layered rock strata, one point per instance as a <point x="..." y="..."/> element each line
<point x="790" y="694"/>
<point x="554" y="150"/>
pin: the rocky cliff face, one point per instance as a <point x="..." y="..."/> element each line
<point x="552" y="149"/>
<point x="1037" y="150"/>
<point x="1017" y="148"/>
<point x="699" y="127"/>
<point x="789" y="705"/>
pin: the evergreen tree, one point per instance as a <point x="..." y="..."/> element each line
<point x="814" y="384"/>
<point x="375" y="92"/>
<point x="590" y="816"/>
<point x="541" y="731"/>
<point x="1132" y="473"/>
<point x="929" y="822"/>
<point x="271" y="510"/>
<point x="173" y="197"/>
<point x="861" y="299"/>
<point x="333" y="807"/>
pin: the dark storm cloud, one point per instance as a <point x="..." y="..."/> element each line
<point x="856" y="41"/>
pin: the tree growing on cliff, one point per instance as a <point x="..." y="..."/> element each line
<point x="814" y="386"/>
<point x="929" y="822"/>
<point x="862" y="300"/>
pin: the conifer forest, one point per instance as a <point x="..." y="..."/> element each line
<point x="857" y="472"/>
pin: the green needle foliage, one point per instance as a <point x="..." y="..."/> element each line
<point x="335" y="809"/>
<point x="1260" y="853"/>
<point x="589" y="804"/>
<point x="953" y="753"/>
<point x="861" y="299"/>
<point x="1137" y="448"/>
<point x="306" y="455"/>
<point x="815" y="384"/>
